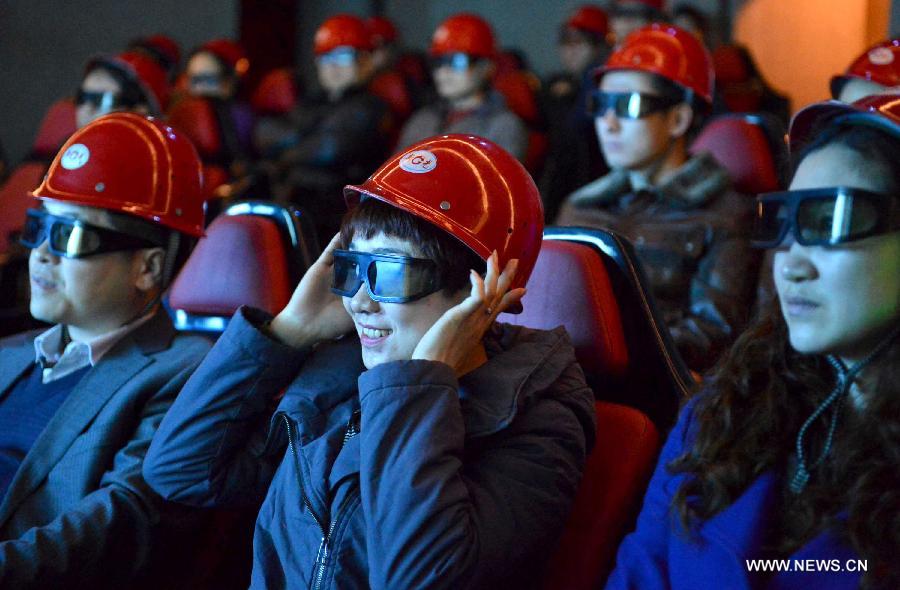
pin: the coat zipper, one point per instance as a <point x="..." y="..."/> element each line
<point x="322" y="557"/>
<point x="322" y="554"/>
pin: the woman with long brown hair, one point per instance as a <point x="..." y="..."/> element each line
<point x="785" y="471"/>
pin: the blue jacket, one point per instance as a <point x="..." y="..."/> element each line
<point x="449" y="483"/>
<point x="659" y="554"/>
<point x="78" y="512"/>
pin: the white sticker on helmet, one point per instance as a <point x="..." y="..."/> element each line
<point x="75" y="157"/>
<point x="418" y="161"/>
<point x="881" y="56"/>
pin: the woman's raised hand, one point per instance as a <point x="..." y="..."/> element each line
<point x="455" y="335"/>
<point x="314" y="313"/>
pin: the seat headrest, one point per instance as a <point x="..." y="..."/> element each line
<point x="196" y="117"/>
<point x="569" y="286"/>
<point x="276" y="94"/>
<point x="243" y="260"/>
<point x="56" y="127"/>
<point x="744" y="149"/>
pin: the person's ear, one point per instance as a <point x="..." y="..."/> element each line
<point x="148" y="268"/>
<point x="680" y="118"/>
<point x="365" y="66"/>
<point x="486" y="69"/>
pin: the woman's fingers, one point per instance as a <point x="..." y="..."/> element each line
<point x="327" y="256"/>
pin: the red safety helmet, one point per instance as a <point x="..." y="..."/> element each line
<point x="231" y="53"/>
<point x="127" y="163"/>
<point x="342" y="30"/>
<point x="667" y="51"/>
<point x="881" y="111"/>
<point x="143" y="71"/>
<point x="464" y="33"/>
<point x="163" y="48"/>
<point x="471" y="188"/>
<point x="591" y="19"/>
<point x="382" y="30"/>
<point x="879" y="64"/>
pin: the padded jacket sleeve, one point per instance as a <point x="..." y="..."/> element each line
<point x="443" y="511"/>
<point x="109" y="536"/>
<point x="210" y="448"/>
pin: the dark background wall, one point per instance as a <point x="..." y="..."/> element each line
<point x="44" y="45"/>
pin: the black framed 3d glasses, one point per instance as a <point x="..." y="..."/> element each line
<point x="823" y="216"/>
<point x="103" y="101"/>
<point x="72" y="238"/>
<point x="389" y="278"/>
<point x="628" y="105"/>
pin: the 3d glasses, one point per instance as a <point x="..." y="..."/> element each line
<point x="628" y="105"/>
<point x="455" y="61"/>
<point x="73" y="238"/>
<point x="340" y="56"/>
<point x="103" y="101"/>
<point x="389" y="278"/>
<point x="822" y="216"/>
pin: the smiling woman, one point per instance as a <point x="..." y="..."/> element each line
<point x="434" y="447"/>
<point x="791" y="451"/>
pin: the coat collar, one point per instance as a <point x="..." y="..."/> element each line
<point x="695" y="183"/>
<point x="126" y="358"/>
<point x="521" y="362"/>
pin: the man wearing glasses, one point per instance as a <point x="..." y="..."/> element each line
<point x="337" y="135"/>
<point x="689" y="228"/>
<point x="80" y="401"/>
<point x="462" y="52"/>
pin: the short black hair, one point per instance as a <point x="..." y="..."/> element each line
<point x="668" y="89"/>
<point x="454" y="259"/>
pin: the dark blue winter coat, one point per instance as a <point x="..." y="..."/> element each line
<point x="450" y="483"/>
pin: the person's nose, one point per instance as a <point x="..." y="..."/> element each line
<point x="609" y="120"/>
<point x="794" y="263"/>
<point x="361" y="302"/>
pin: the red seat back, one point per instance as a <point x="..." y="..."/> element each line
<point x="569" y="287"/>
<point x="744" y="149"/>
<point x="56" y="127"/>
<point x="276" y="93"/>
<point x="242" y="260"/>
<point x="196" y="118"/>
<point x="15" y="199"/>
<point x="520" y="95"/>
<point x="609" y="496"/>
<point x="390" y="87"/>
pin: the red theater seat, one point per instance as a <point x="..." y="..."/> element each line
<point x="590" y="281"/>
<point x="745" y="147"/>
<point x="569" y="287"/>
<point x="609" y="497"/>
<point x="276" y="93"/>
<point x="56" y="127"/>
<point x="253" y="254"/>
<point x="196" y="118"/>
<point x="390" y="87"/>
